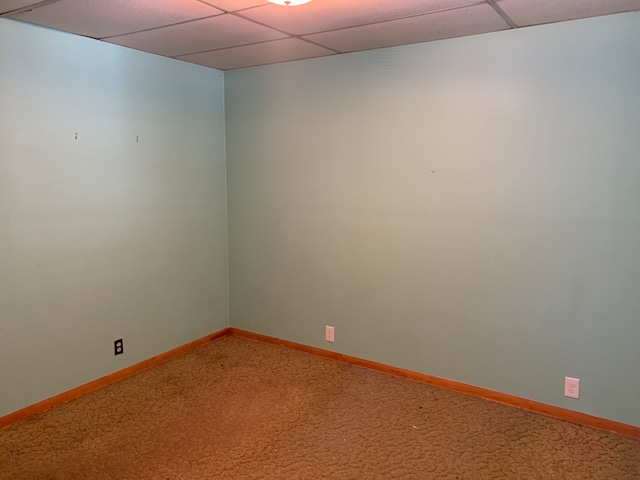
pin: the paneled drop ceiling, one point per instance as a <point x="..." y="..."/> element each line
<point x="228" y="34"/>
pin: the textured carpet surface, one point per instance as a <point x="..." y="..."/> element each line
<point x="239" y="409"/>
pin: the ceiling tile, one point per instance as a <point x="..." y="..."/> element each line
<point x="105" y="18"/>
<point x="258" y="54"/>
<point x="198" y="36"/>
<point x="11" y="5"/>
<point x="234" y="5"/>
<point x="202" y="31"/>
<point x="535" y="12"/>
<point x="323" y="15"/>
<point x="435" y="26"/>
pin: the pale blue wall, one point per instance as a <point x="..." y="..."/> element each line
<point x="102" y="237"/>
<point x="516" y="263"/>
<point x="511" y="266"/>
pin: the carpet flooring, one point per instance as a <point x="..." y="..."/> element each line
<point x="240" y="409"/>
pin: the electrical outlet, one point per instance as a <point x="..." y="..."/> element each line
<point x="571" y="387"/>
<point x="118" y="347"/>
<point x="329" y="333"/>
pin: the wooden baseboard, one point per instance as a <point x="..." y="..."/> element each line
<point x="504" y="398"/>
<point x="106" y="380"/>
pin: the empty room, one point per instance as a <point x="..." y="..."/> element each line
<point x="319" y="239"/>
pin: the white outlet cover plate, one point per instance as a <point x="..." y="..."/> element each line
<point x="571" y="387"/>
<point x="329" y="333"/>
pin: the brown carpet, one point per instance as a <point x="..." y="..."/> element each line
<point x="238" y="409"/>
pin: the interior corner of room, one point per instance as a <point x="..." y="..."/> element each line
<point x="465" y="208"/>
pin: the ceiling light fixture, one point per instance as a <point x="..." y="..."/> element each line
<point x="289" y="3"/>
